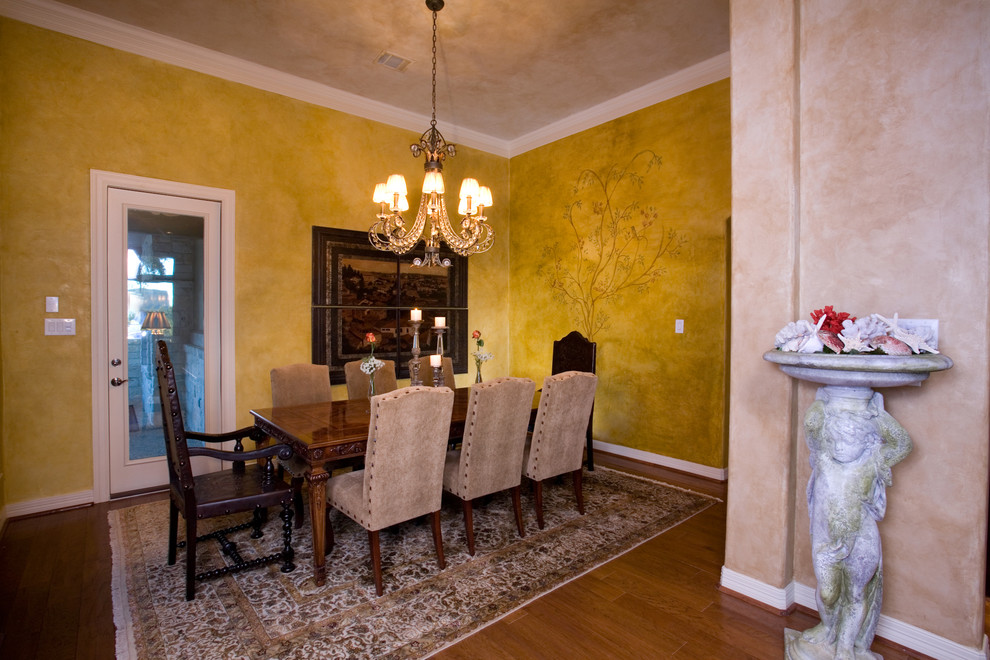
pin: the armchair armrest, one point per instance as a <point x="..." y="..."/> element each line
<point x="250" y="432"/>
<point x="283" y="451"/>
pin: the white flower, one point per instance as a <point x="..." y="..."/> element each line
<point x="370" y="365"/>
<point x="482" y="356"/>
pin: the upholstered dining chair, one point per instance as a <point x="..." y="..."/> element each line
<point x="557" y="443"/>
<point x="426" y="371"/>
<point x="575" y="353"/>
<point x="492" y="447"/>
<point x="245" y="487"/>
<point x="403" y="474"/>
<point x="358" y="381"/>
<point x="296" y="385"/>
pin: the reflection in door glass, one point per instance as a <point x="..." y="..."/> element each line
<point x="164" y="301"/>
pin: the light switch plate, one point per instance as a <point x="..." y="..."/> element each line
<point x="679" y="326"/>
<point x="60" y="326"/>
<point x="51" y="303"/>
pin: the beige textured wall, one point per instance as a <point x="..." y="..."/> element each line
<point x="70" y="106"/>
<point x="890" y="212"/>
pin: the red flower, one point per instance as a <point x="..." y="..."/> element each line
<point x="833" y="319"/>
<point x="476" y="334"/>
<point x="370" y="338"/>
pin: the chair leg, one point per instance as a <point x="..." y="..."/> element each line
<point x="190" y="557"/>
<point x="539" y="503"/>
<point x="438" y="538"/>
<point x="297" y="499"/>
<point x="577" y="490"/>
<point x="517" y="505"/>
<point x="376" y="560"/>
<point x="256" y="522"/>
<point x="468" y="525"/>
<point x="173" y="530"/>
<point x="287" y="552"/>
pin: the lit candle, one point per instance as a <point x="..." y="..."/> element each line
<point x="440" y="322"/>
<point x="436" y="360"/>
<point x="416" y="315"/>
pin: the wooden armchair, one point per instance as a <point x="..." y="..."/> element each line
<point x="358" y="381"/>
<point x="575" y="353"/>
<point x="245" y="487"/>
<point x="558" y="436"/>
<point x="492" y="448"/>
<point x="407" y="438"/>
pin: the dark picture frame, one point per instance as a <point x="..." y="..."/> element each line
<point x="358" y="289"/>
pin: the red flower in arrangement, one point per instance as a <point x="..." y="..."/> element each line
<point x="833" y="319"/>
<point x="476" y="334"/>
<point x="370" y="338"/>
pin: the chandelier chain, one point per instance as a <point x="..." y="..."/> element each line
<point x="433" y="122"/>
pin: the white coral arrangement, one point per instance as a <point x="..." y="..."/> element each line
<point x="838" y="332"/>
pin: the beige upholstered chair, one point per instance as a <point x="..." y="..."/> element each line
<point x="403" y="475"/>
<point x="357" y="380"/>
<point x="492" y="449"/>
<point x="426" y="371"/>
<point x="557" y="443"/>
<point x="296" y="385"/>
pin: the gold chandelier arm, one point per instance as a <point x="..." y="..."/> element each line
<point x="476" y="235"/>
<point x="390" y="232"/>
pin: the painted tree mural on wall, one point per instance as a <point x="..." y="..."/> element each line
<point x="616" y="246"/>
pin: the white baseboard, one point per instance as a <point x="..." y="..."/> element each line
<point x="718" y="474"/>
<point x="890" y="629"/>
<point x="45" y="504"/>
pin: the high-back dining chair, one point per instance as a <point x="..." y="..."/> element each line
<point x="492" y="447"/>
<point x="426" y="371"/>
<point x="403" y="474"/>
<point x="575" y="353"/>
<point x="557" y="443"/>
<point x="299" y="384"/>
<point x="358" y="381"/>
<point x="245" y="487"/>
<point x="296" y="385"/>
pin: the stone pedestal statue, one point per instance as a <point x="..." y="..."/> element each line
<point x="853" y="443"/>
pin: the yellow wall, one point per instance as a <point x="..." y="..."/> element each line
<point x="70" y="106"/>
<point x="658" y="391"/>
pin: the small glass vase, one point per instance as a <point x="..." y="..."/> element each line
<point x="477" y="366"/>
<point x="371" y="384"/>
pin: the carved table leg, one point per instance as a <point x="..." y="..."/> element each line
<point x="317" y="479"/>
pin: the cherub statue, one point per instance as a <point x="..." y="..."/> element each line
<point x="853" y="443"/>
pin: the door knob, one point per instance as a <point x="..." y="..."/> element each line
<point x="115" y="362"/>
<point x="117" y="382"/>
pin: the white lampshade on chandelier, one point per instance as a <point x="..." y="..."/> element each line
<point x="390" y="231"/>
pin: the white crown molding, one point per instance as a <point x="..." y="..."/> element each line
<point x="686" y="80"/>
<point x="888" y="628"/>
<point x="108" y="32"/>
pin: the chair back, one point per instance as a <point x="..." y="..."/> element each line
<point x="180" y="476"/>
<point x="407" y="442"/>
<point x="558" y="437"/>
<point x="426" y="371"/>
<point x="357" y="380"/>
<point x="494" y="437"/>
<point x="573" y="353"/>
<point x="299" y="384"/>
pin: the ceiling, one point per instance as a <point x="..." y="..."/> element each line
<point x="504" y="70"/>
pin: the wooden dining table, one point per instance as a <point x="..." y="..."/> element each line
<point x="325" y="433"/>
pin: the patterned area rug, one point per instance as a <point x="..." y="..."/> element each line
<point x="263" y="613"/>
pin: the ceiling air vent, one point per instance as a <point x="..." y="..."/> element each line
<point x="392" y="61"/>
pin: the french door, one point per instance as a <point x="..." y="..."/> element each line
<point x="162" y="276"/>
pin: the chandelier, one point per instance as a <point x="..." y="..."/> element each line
<point x="390" y="231"/>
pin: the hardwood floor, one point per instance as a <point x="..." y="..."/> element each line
<point x="660" y="600"/>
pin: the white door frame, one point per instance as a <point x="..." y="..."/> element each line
<point x="100" y="183"/>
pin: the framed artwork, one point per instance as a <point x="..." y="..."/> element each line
<point x="358" y="289"/>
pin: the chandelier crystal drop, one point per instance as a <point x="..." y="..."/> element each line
<point x="390" y="232"/>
